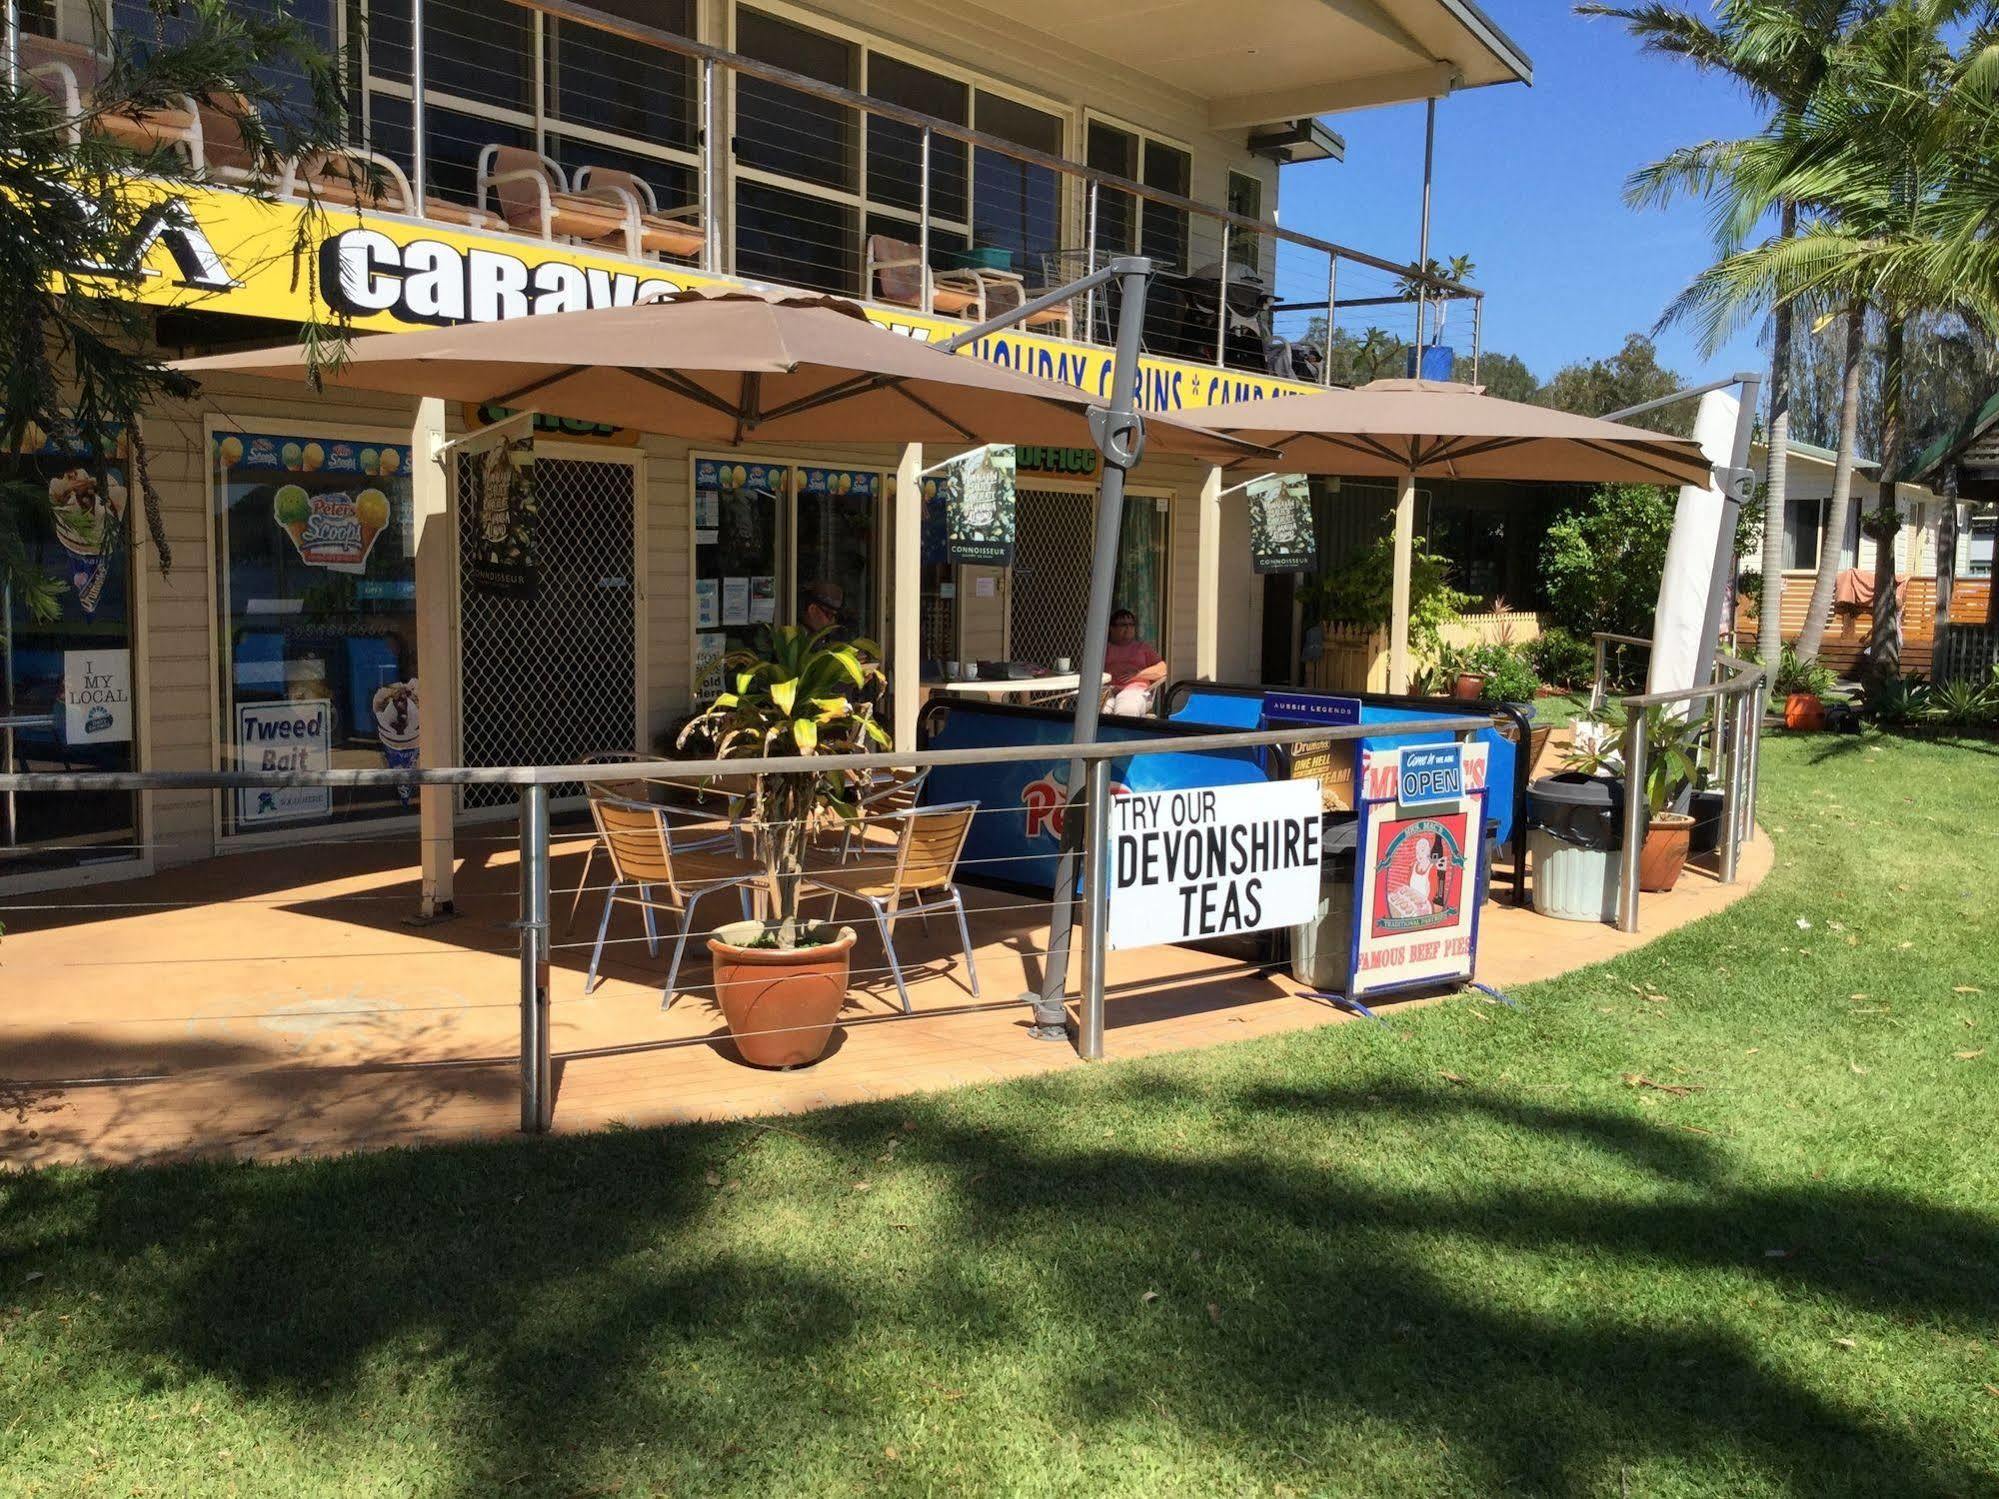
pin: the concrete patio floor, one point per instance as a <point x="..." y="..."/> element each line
<point x="280" y="1003"/>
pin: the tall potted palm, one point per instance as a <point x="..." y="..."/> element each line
<point x="781" y="981"/>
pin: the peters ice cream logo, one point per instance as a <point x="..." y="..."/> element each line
<point x="335" y="531"/>
<point x="1046" y="802"/>
<point x="330" y="526"/>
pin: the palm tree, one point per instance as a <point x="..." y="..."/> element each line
<point x="1777" y="50"/>
<point x="1819" y="612"/>
<point x="1894" y="151"/>
<point x="1415" y="285"/>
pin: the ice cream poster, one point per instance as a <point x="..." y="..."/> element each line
<point x="1417" y="867"/>
<point x="503" y="500"/>
<point x="398" y="725"/>
<point x="330" y="497"/>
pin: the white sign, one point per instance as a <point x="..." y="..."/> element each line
<point x="97" y="697"/>
<point x="1212" y="861"/>
<point x="283" y="736"/>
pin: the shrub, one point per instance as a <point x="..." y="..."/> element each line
<point x="1561" y="659"/>
<point x="1898" y="700"/>
<point x="1964" y="705"/>
<point x="1601" y="563"/>
<point x="1508" y="677"/>
<point x="1359" y="590"/>
<point x="1797" y="675"/>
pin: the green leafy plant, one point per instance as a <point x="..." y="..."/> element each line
<point x="1795" y="675"/>
<point x="802" y="694"/>
<point x="1508" y="676"/>
<point x="1359" y="590"/>
<point x="1559" y="658"/>
<point x="1897" y="700"/>
<point x="1672" y="752"/>
<point x="1601" y="562"/>
<point x="1964" y="705"/>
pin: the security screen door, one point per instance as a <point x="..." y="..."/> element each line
<point x="550" y="679"/>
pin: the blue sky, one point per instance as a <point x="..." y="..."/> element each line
<point x="1529" y="183"/>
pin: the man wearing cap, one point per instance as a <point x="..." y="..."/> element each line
<point x="824" y="608"/>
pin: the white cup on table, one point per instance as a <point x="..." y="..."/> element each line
<point x="950" y="671"/>
<point x="1064" y="664"/>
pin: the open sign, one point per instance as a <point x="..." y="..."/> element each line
<point x="1432" y="774"/>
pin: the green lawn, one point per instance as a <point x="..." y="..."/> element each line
<point x="1462" y="1255"/>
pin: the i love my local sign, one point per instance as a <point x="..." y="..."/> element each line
<point x="1213" y="861"/>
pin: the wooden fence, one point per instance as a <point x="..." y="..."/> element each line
<point x="1971" y="604"/>
<point x="1354" y="658"/>
<point x="1967" y="653"/>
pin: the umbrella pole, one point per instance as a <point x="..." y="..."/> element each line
<point x="1398" y="612"/>
<point x="1120" y="438"/>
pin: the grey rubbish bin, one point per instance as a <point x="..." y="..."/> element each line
<point x="1575" y="827"/>
<point x="1322" y="948"/>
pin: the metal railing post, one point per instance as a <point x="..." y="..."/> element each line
<point x="537" y="1069"/>
<point x="12" y="21"/>
<point x="1222" y="306"/>
<point x="1090" y="264"/>
<point x="1731" y="784"/>
<point x="711" y="173"/>
<point x="1637" y="820"/>
<point x="1596" y="682"/>
<point x="1332" y="311"/>
<point x="419" y="173"/>
<point x="1096" y="911"/>
<point x="1758" y="698"/>
<point x="922" y="219"/>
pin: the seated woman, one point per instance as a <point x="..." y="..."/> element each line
<point x="1134" y="667"/>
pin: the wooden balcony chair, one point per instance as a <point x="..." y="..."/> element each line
<point x="636" y="837"/>
<point x="531" y="193"/>
<point x="677" y="232"/>
<point x="918" y="875"/>
<point x="1006" y="290"/>
<point x="898" y="276"/>
<point x="70" y="74"/>
<point x="353" y="177"/>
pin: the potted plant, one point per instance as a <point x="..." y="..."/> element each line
<point x="1803" y="685"/>
<point x="1671" y="740"/>
<point x="782" y="982"/>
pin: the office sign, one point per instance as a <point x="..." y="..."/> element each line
<point x="1416" y="877"/>
<point x="1212" y="861"/>
<point x="287" y="736"/>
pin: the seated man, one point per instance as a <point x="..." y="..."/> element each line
<point x="824" y="608"/>
<point x="1134" y="667"/>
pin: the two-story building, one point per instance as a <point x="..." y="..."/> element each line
<point x="940" y="164"/>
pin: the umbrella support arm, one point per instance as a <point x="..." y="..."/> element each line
<point x="1120" y="438"/>
<point x="1116" y="270"/>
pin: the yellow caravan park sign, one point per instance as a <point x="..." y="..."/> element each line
<point x="223" y="251"/>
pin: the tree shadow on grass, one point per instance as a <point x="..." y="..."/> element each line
<point x="718" y="1308"/>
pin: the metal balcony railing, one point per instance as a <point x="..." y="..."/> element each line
<point x="557" y="121"/>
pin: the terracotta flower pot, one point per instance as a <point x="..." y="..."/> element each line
<point x="1804" y="710"/>
<point x="781" y="1003"/>
<point x="1665" y="852"/>
<point x="1470" y="684"/>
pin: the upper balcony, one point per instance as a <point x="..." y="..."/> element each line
<point x="830" y="160"/>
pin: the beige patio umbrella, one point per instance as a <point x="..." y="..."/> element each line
<point x="1413" y="429"/>
<point x="721" y="366"/>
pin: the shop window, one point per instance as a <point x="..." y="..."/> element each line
<point x="317" y="603"/>
<point x="615" y="84"/>
<point x="1163" y="229"/>
<point x="1126" y="223"/>
<point x="1109" y="149"/>
<point x="68" y="702"/>
<point x="839" y="542"/>
<point x="737" y="509"/>
<point x="1016" y="205"/>
<point x="786" y="132"/>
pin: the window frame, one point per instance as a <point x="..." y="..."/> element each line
<point x="1145" y="137"/>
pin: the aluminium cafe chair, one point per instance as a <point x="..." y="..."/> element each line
<point x="710" y="835"/>
<point x="644" y="861"/>
<point x="918" y="875"/>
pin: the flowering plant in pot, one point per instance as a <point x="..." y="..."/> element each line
<point x="781" y="982"/>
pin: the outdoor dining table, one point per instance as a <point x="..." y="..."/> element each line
<point x="1054" y="684"/>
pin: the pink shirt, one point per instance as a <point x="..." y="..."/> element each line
<point x="1125" y="660"/>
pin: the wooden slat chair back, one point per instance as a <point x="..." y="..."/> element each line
<point x="918" y="877"/>
<point x="634" y="835"/>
